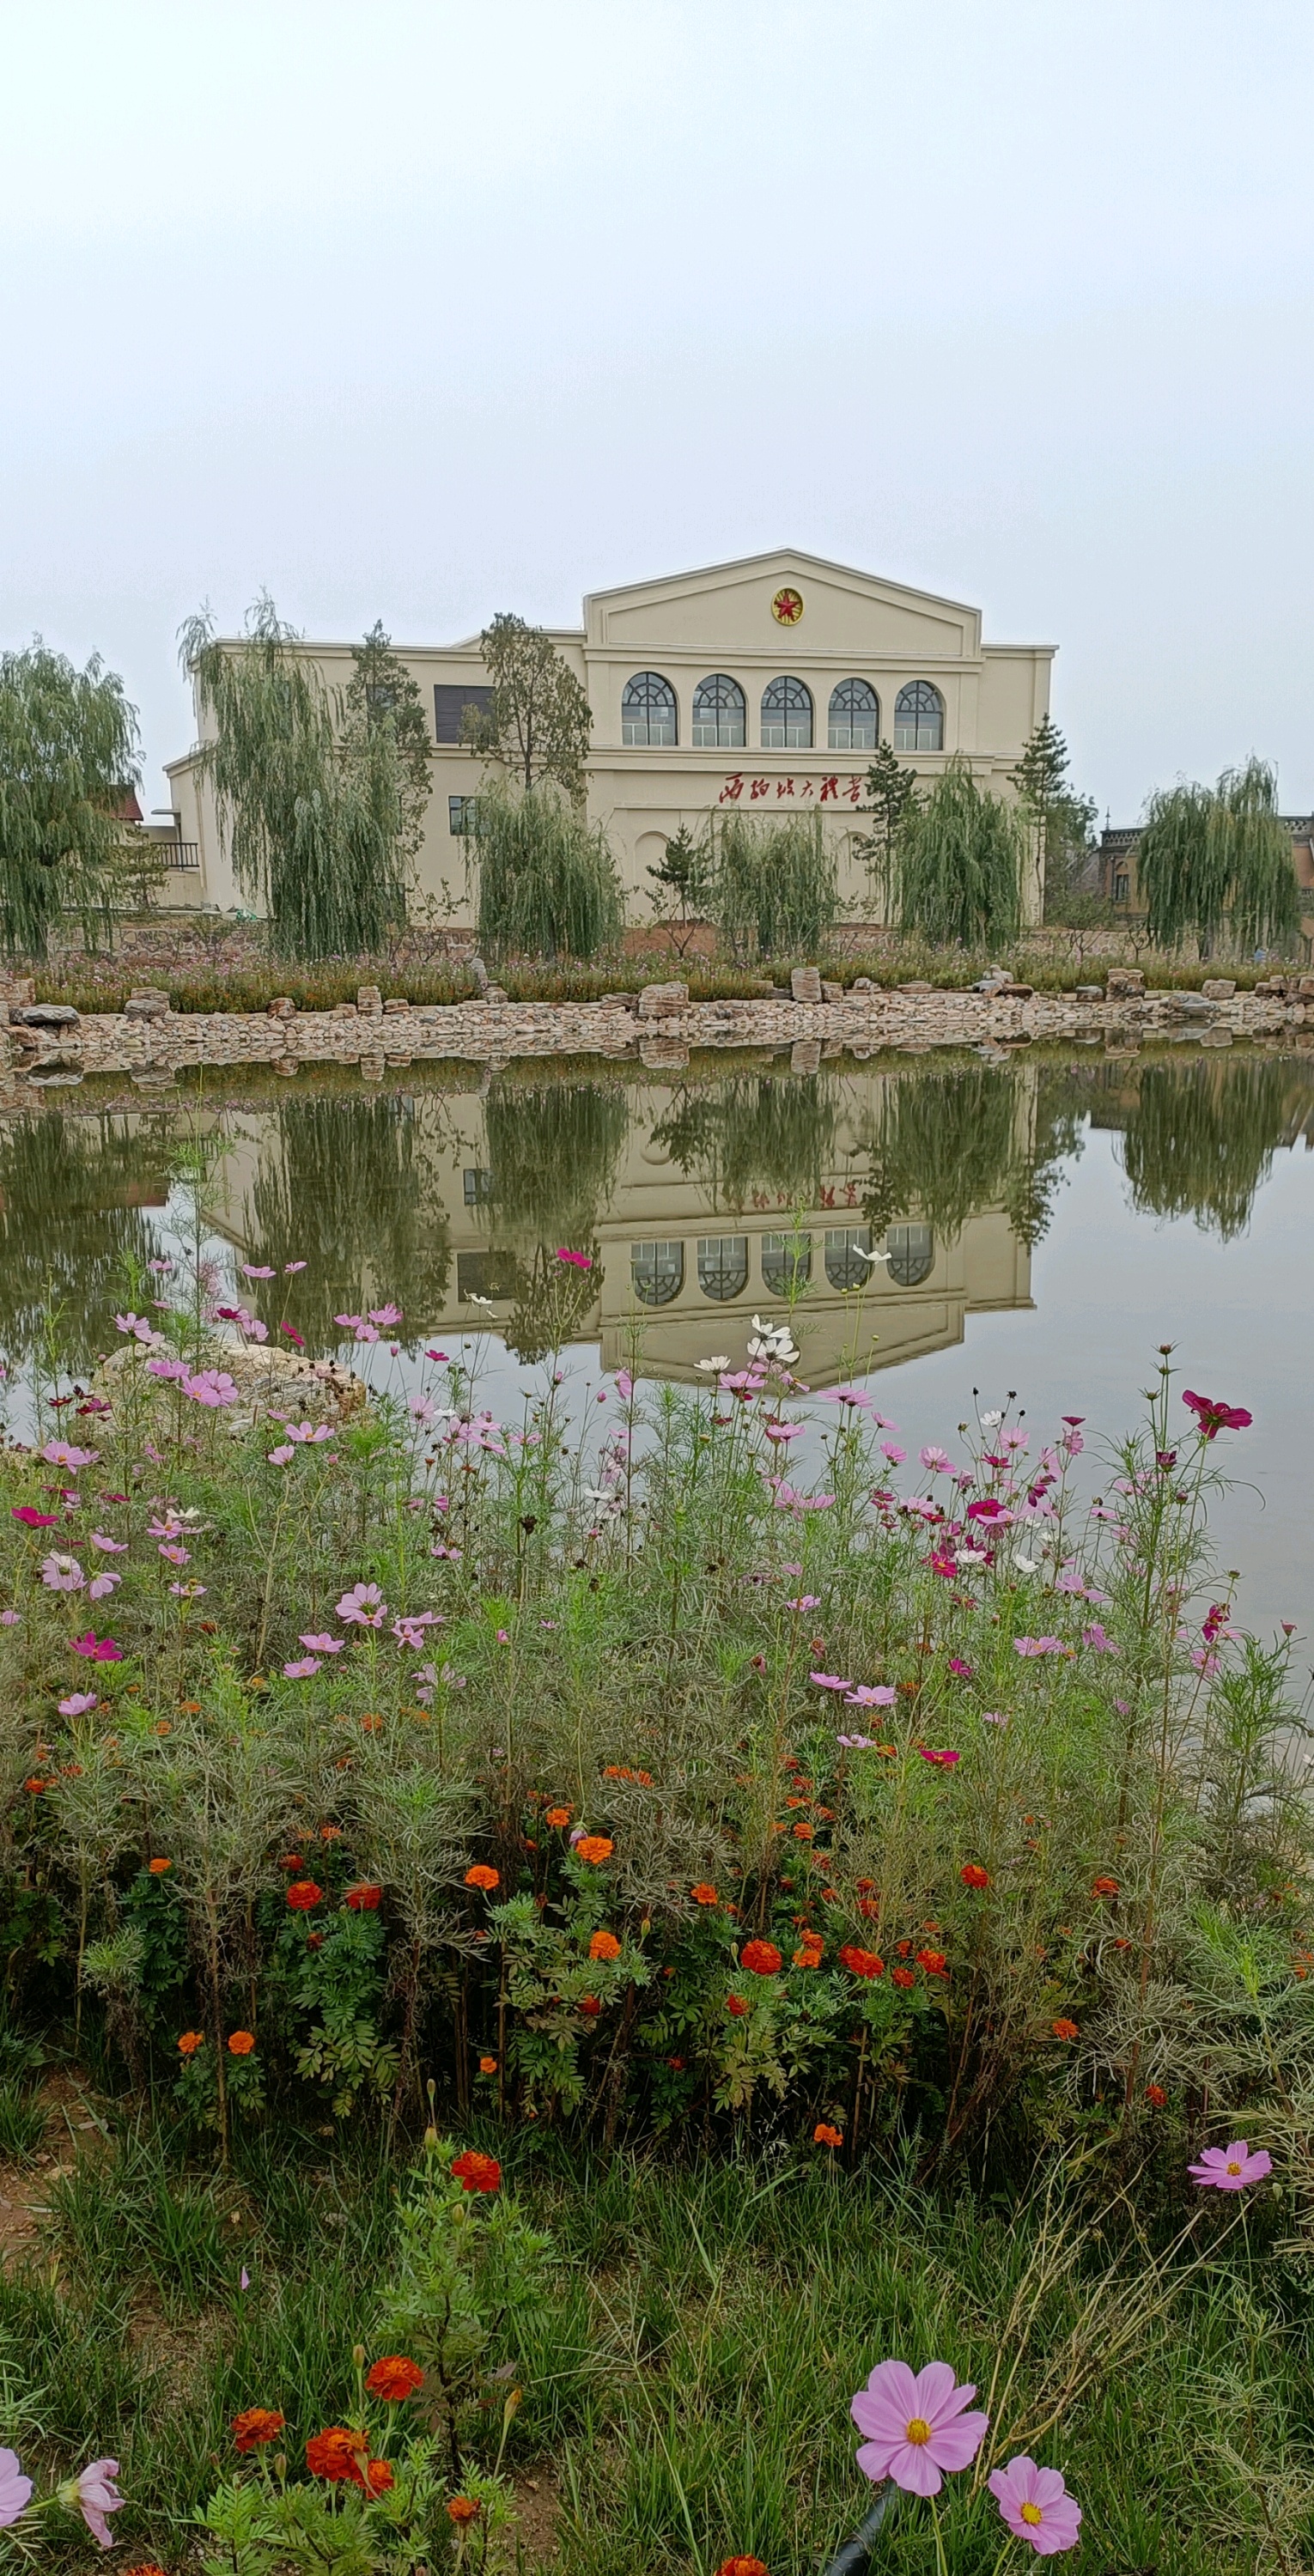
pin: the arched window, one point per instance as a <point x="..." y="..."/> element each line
<point x="786" y="716"/>
<point x="919" y="718"/>
<point x="855" y="716"/>
<point x="718" y="714"/>
<point x="786" y="1263"/>
<point x="647" y="710"/>
<point x="657" y="1270"/>
<point x="845" y="1248"/>
<point x="912" y="1254"/>
<point x="723" y="1266"/>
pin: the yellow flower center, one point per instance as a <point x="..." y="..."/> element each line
<point x="919" y="2430"/>
<point x="1232" y="2165"/>
<point x="1031" y="2513"/>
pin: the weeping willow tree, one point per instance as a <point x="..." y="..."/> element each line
<point x="68" y="754"/>
<point x="773" y="886"/>
<point x="953" y="871"/>
<point x="553" y="1151"/>
<point x="354" y="1189"/>
<point x="1210" y="857"/>
<point x="548" y="885"/>
<point x="754" y="1133"/>
<point x="1201" y="1139"/>
<point x="72" y="1195"/>
<point x="311" y="792"/>
<point x="947" y="1142"/>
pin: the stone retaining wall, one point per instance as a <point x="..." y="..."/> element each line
<point x="154" y="1044"/>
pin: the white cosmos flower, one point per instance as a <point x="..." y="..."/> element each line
<point x="991" y="1421"/>
<point x="721" y="1361"/>
<point x="1027" y="1564"/>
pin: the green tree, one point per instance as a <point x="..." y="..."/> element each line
<point x="353" y="1188"/>
<point x="383" y="695"/>
<point x="684" y="882"/>
<point x="548" y="885"/>
<point x="1061" y="821"/>
<point x="1210" y="856"/>
<point x="889" y="791"/>
<point x="955" y="869"/>
<point x="537" y="722"/>
<point x="313" y="801"/>
<point x="773" y="885"/>
<point x="68" y="753"/>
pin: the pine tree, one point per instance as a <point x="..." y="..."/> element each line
<point x="889" y="791"/>
<point x="1061" y="821"/>
<point x="383" y="693"/>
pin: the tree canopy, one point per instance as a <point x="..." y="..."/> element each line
<point x="548" y="885"/>
<point x="312" y="791"/>
<point x="954" y="868"/>
<point x="537" y="721"/>
<point x="1210" y="856"/>
<point x="68" y="756"/>
<point x="1060" y="820"/>
<point x="382" y="694"/>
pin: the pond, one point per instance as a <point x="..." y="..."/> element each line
<point x="1043" y="1223"/>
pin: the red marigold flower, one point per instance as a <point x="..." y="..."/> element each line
<point x="476" y="2172"/>
<point x="1065" y="2030"/>
<point x="594" y="1847"/>
<point x="604" y="1945"/>
<point x="736" y="2004"/>
<point x="825" y="2136"/>
<point x="334" y="2453"/>
<point x="255" y="2426"/>
<point x="589" y="2006"/>
<point x="933" y="1961"/>
<point x="1156" y="2094"/>
<point x="862" y="1963"/>
<point x="556" y="1816"/>
<point x="303" y="1895"/>
<point x="704" y="1893"/>
<point x="363" y="1899"/>
<point x="762" y="1958"/>
<point x="376" y="2476"/>
<point x="394" y="2378"/>
<point x="240" y="2043"/>
<point x="157" y="1868"/>
<point x="482" y="1876"/>
<point x="465" y="2509"/>
<point x="190" y="2041"/>
<point x="870" y="1907"/>
<point x="972" y="1874"/>
<point x="741" y="2567"/>
<point x="903" y="1976"/>
<point x="292" y="1860"/>
<point x="1105" y="1887"/>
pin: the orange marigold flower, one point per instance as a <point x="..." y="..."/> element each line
<point x="162" y="1727"/>
<point x="482" y="1876"/>
<point x="808" y="1955"/>
<point x="604" y="1945"/>
<point x="465" y="2509"/>
<point x="330" y="1833"/>
<point x="1105" y="1887"/>
<point x="36" y="1786"/>
<point x="394" y="2378"/>
<point x="240" y="2043"/>
<point x="255" y="2426"/>
<point x="1064" y="2029"/>
<point x="292" y="1860"/>
<point x="190" y="1707"/>
<point x="1156" y="2094"/>
<point x="862" y="1963"/>
<point x="903" y="1976"/>
<point x="334" y="2453"/>
<point x="870" y="1908"/>
<point x="556" y="1815"/>
<point x="762" y="1958"/>
<point x="363" y="1899"/>
<point x="589" y="2006"/>
<point x="825" y="2136"/>
<point x="933" y="1961"/>
<point x="190" y="2041"/>
<point x="476" y="2172"/>
<point x="157" y="1868"/>
<point x="704" y="1893"/>
<point x="865" y="1886"/>
<point x="303" y="1895"/>
<point x="742" y="2567"/>
<point x="144" y="2567"/>
<point x="803" y="1833"/>
<point x="488" y="2066"/>
<point x="376" y="2476"/>
<point x="373" y="1725"/>
<point x="594" y="1847"/>
<point x="972" y="1874"/>
<point x="736" y="2004"/>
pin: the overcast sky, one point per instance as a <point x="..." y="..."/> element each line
<point x="418" y="309"/>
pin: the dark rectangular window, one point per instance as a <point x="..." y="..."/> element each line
<point x="461" y="815"/>
<point x="1121" y="888"/>
<point x="450" y="700"/>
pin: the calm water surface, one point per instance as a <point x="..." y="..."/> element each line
<point x="1049" y="1222"/>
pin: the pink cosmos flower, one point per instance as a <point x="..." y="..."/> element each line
<point x="166" y="1368"/>
<point x="31" y="1518"/>
<point x="250" y="1270"/>
<point x="946" y="1760"/>
<point x="99" y="1650"/>
<point x="1213" y="1417"/>
<point x="956" y="1665"/>
<point x="1036" y="2506"/>
<point x="293" y="1335"/>
<point x="77" y="1703"/>
<point x="916" y="2426"/>
<point x="136" y="1325"/>
<point x="94" y="2494"/>
<point x="62" y="1574"/>
<point x="301" y="1672"/>
<point x="363" y="1607"/>
<point x="578" y="1260"/>
<point x="1039" y="1646"/>
<point x="188" y="1591"/>
<point x="57" y="1453"/>
<point x="870" y="1695"/>
<point x="805" y="1601"/>
<point x="15" y="2489"/>
<point x="1096" y="1639"/>
<point x="388" y="1314"/>
<point x="10" y="1618"/>
<point x="176" y="1555"/>
<point x="895" y="1455"/>
<point x="848" y="1395"/>
<point x="109" y="1546"/>
<point x="279" y="1457"/>
<point x="933" y="1459"/>
<point x="321" y="1645"/>
<point x="101" y="1585"/>
<point x="309" y="1433"/>
<point x="1230" y="2168"/>
<point x="212" y="1387"/>
<point x="857" y="1743"/>
<point x="624" y="1385"/>
<point x="290" y="1266"/>
<point x="829" y="1681"/>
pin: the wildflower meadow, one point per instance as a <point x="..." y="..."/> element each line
<point x="581" y="1993"/>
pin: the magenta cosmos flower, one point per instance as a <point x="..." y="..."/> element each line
<point x="1036" y="2506"/>
<point x="1230" y="2168"/>
<point x="1213" y="1417"/>
<point x="94" y="2495"/>
<point x="15" y="2489"/>
<point x="101" y="1650"/>
<point x="915" y="2426"/>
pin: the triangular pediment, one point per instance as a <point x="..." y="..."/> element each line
<point x="764" y="603"/>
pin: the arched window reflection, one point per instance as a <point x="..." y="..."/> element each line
<point x="718" y="714"/>
<point x="723" y="1266"/>
<point x="854" y="716"/>
<point x="786" y="716"/>
<point x="786" y="1263"/>
<point x="919" y="718"/>
<point x="845" y="1247"/>
<point x="647" y="711"/>
<point x="912" y="1254"/>
<point x="657" y="1270"/>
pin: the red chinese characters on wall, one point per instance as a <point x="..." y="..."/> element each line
<point x="831" y="790"/>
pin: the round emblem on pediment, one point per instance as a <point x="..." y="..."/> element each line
<point x="787" y="607"/>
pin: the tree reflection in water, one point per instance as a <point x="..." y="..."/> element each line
<point x="754" y="1133"/>
<point x="355" y="1190"/>
<point x="1200" y="1136"/>
<point x="554" y="1150"/>
<point x="72" y="1190"/>
<point x="948" y="1141"/>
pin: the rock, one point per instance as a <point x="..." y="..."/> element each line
<point x="862" y="984"/>
<point x="1124" y="983"/>
<point x="480" y="973"/>
<point x="1305" y="988"/>
<point x="616" y="1001"/>
<point x="22" y="1037"/>
<point x="669" y="1053"/>
<point x="1219" y="988"/>
<point x="48" y="1015"/>
<point x="805" y="1055"/>
<point x="60" y="1080"/>
<point x="282" y="1007"/>
<point x="918" y="985"/>
<point x="1192" y="1006"/>
<point x="831" y="992"/>
<point x="657" y="1000"/>
<point x="369" y="998"/>
<point x="493" y="993"/>
<point x="148" y="1005"/>
<point x="1014" y="992"/>
<point x="397" y="1005"/>
<point x="344" y="1010"/>
<point x="287" y="1064"/>
<point x="1089" y="993"/>
<point x="805" y="984"/>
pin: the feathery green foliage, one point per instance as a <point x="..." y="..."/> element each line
<point x="548" y="884"/>
<point x="68" y="751"/>
<point x="774" y="888"/>
<point x="1215" y="856"/>
<point x="382" y="695"/>
<point x="310" y="793"/>
<point x="1060" y="821"/>
<point x="538" y="721"/>
<point x="955" y="867"/>
<point x="889" y="790"/>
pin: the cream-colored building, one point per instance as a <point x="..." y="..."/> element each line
<point x="761" y="686"/>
